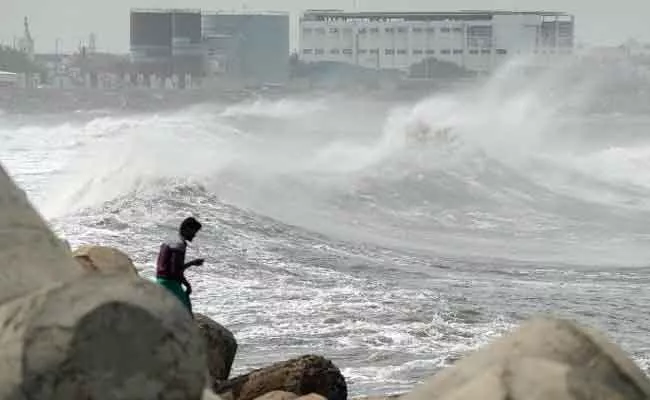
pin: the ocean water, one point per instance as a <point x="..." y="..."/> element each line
<point x="330" y="230"/>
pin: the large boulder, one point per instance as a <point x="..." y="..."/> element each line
<point x="545" y="358"/>
<point x="31" y="255"/>
<point x="100" y="338"/>
<point x="302" y="376"/>
<point x="278" y="395"/>
<point x="105" y="260"/>
<point x="312" y="396"/>
<point x="221" y="347"/>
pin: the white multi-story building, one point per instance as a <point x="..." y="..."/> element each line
<point x="475" y="40"/>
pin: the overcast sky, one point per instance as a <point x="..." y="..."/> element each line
<point x="598" y="21"/>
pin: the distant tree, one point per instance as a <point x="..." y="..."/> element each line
<point x="12" y="60"/>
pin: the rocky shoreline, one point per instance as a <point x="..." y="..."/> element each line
<point x="83" y="325"/>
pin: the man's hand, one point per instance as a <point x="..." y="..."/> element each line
<point x="195" y="263"/>
<point x="198" y="262"/>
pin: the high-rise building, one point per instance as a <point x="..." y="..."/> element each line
<point x="166" y="42"/>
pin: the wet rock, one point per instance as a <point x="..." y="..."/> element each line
<point x="221" y="347"/>
<point x="100" y="338"/>
<point x="545" y="358"/>
<point x="278" y="395"/>
<point x="302" y="376"/>
<point x="104" y="260"/>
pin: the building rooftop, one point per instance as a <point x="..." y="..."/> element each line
<point x="245" y="12"/>
<point x="166" y="10"/>
<point x="423" y="15"/>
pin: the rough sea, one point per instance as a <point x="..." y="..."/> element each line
<point x="329" y="229"/>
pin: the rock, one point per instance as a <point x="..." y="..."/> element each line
<point x="544" y="358"/>
<point x="100" y="337"/>
<point x="312" y="396"/>
<point x="105" y="260"/>
<point x="387" y="397"/>
<point x="302" y="376"/>
<point x="535" y="379"/>
<point x="32" y="256"/>
<point x="208" y="394"/>
<point x="220" y="344"/>
<point x="278" y="395"/>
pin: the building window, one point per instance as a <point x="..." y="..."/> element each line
<point x="417" y="30"/>
<point x="335" y="51"/>
<point x="486" y="51"/>
<point x="390" y="30"/>
<point x="347" y="31"/>
<point x="374" y="30"/>
<point x="347" y="52"/>
<point x="458" y="51"/>
<point x="374" y="51"/>
<point x="502" y="51"/>
<point x="363" y="31"/>
<point x="431" y="30"/>
<point x="389" y="52"/>
<point x="307" y="31"/>
<point x="363" y="51"/>
<point x="445" y="51"/>
<point x="445" y="30"/>
<point x="429" y="52"/>
<point x="320" y="51"/>
<point x="334" y="30"/>
<point x="402" y="30"/>
<point x="401" y="52"/>
<point x="474" y="52"/>
<point x="308" y="51"/>
<point x="418" y="52"/>
<point x="320" y="31"/>
<point x="458" y="30"/>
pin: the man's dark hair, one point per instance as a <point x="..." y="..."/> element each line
<point x="190" y="224"/>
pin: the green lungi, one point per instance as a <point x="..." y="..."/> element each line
<point x="177" y="290"/>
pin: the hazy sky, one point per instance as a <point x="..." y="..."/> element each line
<point x="598" y="21"/>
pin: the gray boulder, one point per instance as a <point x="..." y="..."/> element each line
<point x="545" y="358"/>
<point x="221" y="347"/>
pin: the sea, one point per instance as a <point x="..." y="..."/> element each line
<point x="331" y="227"/>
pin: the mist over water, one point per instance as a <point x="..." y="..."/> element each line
<point x="329" y="229"/>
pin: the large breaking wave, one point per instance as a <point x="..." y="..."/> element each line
<point x="330" y="227"/>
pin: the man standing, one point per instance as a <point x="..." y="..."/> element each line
<point x="171" y="265"/>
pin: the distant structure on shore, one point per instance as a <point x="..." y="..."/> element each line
<point x="173" y="49"/>
<point x="474" y="40"/>
<point x="177" y="47"/>
<point x="252" y="48"/>
<point x="26" y="42"/>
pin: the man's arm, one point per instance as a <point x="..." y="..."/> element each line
<point x="194" y="263"/>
